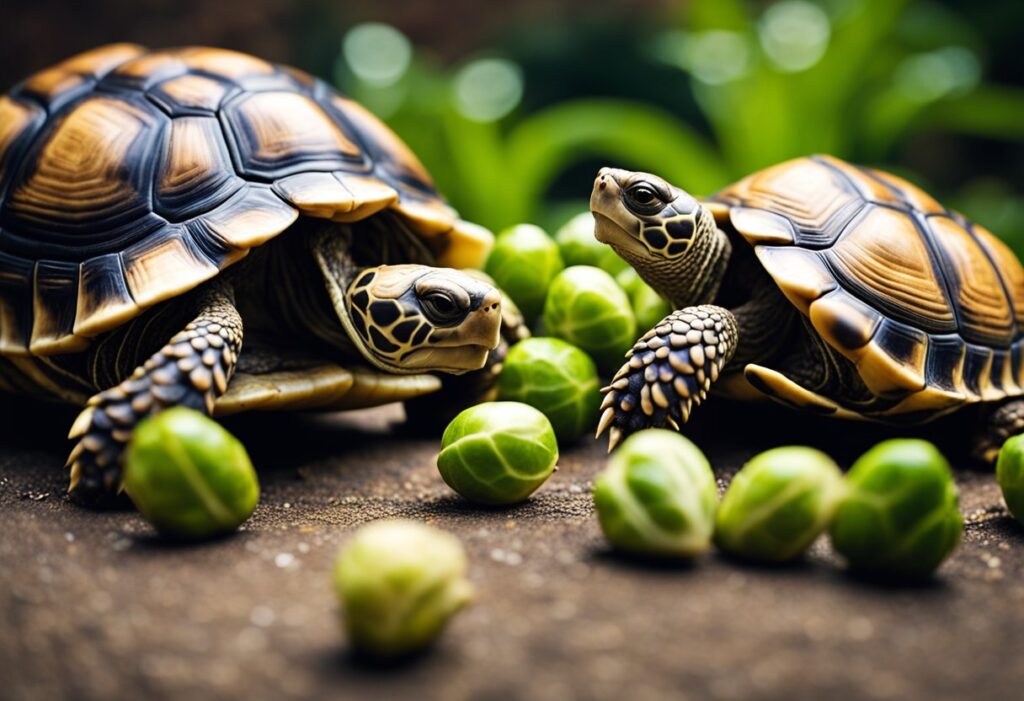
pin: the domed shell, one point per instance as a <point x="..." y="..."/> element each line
<point x="128" y="177"/>
<point x="928" y="305"/>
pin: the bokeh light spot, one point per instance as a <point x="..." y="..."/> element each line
<point x="794" y="34"/>
<point x="376" y="53"/>
<point x="950" y="71"/>
<point x="713" y="57"/>
<point x="488" y="89"/>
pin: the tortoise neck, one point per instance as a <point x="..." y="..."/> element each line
<point x="694" y="278"/>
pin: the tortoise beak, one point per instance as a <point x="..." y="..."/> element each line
<point x="483" y="325"/>
<point x="605" y="194"/>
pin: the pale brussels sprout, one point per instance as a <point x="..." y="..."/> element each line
<point x="778" y="504"/>
<point x="399" y="582"/>
<point x="657" y="496"/>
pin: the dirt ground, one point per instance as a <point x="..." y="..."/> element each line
<point x="94" y="606"/>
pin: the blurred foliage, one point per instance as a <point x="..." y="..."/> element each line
<point x="702" y="97"/>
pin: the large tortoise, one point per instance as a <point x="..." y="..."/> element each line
<point x="153" y="203"/>
<point x="823" y="285"/>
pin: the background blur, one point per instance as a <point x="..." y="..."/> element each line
<point x="513" y="105"/>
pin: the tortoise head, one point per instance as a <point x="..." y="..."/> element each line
<point x="662" y="231"/>
<point x="415" y="318"/>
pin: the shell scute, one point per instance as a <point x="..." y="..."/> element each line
<point x="928" y="305"/>
<point x="15" y="304"/>
<point x="977" y="289"/>
<point x="19" y="120"/>
<point x="56" y="85"/>
<point x="54" y="306"/>
<point x="77" y="181"/>
<point x="886" y="261"/>
<point x="812" y="196"/>
<point x="142" y="174"/>
<point x="190" y="94"/>
<point x="276" y="134"/>
<point x="194" y="174"/>
<point x="103" y="297"/>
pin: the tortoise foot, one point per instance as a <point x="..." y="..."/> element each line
<point x="192" y="370"/>
<point x="668" y="372"/>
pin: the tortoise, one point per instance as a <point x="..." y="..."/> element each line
<point x="826" y="286"/>
<point x="155" y="203"/>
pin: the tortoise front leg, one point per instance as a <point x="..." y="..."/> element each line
<point x="668" y="370"/>
<point x="192" y="370"/>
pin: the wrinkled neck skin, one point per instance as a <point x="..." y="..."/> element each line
<point x="691" y="279"/>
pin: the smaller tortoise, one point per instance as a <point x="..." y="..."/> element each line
<point x="154" y="204"/>
<point x="825" y="286"/>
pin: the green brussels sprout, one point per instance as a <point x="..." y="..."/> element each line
<point x="657" y="496"/>
<point x="558" y="379"/>
<point x="523" y="262"/>
<point x="648" y="306"/>
<point x="497" y="453"/>
<point x="900" y="515"/>
<point x="1010" y="475"/>
<point x="578" y="246"/>
<point x="399" y="582"/>
<point x="188" y="476"/>
<point x="586" y="308"/>
<point x="778" y="503"/>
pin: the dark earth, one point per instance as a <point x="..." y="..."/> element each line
<point x="94" y="606"/>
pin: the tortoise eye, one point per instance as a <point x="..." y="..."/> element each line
<point x="440" y="308"/>
<point x="643" y="197"/>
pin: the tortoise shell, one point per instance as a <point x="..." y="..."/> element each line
<point x="928" y="305"/>
<point x="128" y="177"/>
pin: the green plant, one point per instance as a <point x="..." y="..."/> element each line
<point x="858" y="79"/>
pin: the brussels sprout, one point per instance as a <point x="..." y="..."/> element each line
<point x="578" y="246"/>
<point x="657" y="496"/>
<point x="189" y="476"/>
<point x="1010" y="475"/>
<point x="900" y="515"/>
<point x="558" y="379"/>
<point x="778" y="503"/>
<point x="399" y="583"/>
<point x="586" y="308"/>
<point x="648" y="306"/>
<point x="498" y="453"/>
<point x="523" y="262"/>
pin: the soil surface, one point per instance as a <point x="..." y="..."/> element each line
<point x="94" y="606"/>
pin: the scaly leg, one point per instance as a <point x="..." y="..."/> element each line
<point x="669" y="369"/>
<point x="192" y="370"/>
